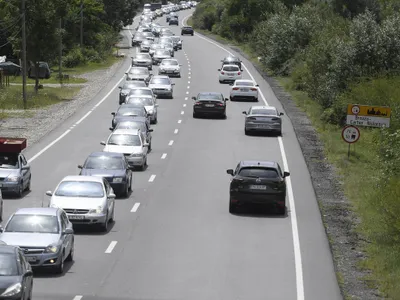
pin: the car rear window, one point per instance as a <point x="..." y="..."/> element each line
<point x="209" y="97"/>
<point x="258" y="172"/>
<point x="231" y="68"/>
<point x="244" y="83"/>
<point x="267" y="112"/>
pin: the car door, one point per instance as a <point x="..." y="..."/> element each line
<point x="27" y="280"/>
<point x="68" y="238"/>
<point x="25" y="169"/>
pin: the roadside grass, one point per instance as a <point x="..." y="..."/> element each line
<point x="72" y="72"/>
<point x="11" y="98"/>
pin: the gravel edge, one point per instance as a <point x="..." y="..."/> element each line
<point x="347" y="245"/>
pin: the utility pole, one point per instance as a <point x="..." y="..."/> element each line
<point x="60" y="53"/>
<point x="24" y="54"/>
<point x="81" y="43"/>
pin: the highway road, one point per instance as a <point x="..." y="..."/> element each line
<point x="173" y="237"/>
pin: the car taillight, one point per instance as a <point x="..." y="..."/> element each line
<point x="235" y="89"/>
<point x="238" y="73"/>
<point x="253" y="89"/>
<point x="222" y="73"/>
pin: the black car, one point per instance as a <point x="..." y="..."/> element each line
<point x="258" y="182"/>
<point x="232" y="60"/>
<point x="209" y="104"/>
<point x="187" y="30"/>
<point x="136" y="123"/>
<point x="127" y="87"/>
<point x="173" y="21"/>
<point x="113" y="167"/>
<point x="129" y="110"/>
<point x="16" y="276"/>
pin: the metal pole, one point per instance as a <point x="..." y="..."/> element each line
<point x="81" y="42"/>
<point x="348" y="152"/>
<point x="60" y="53"/>
<point x="24" y="55"/>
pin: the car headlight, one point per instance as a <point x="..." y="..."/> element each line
<point x="136" y="154"/>
<point x="98" y="210"/>
<point x="13" y="178"/>
<point x="117" y="179"/>
<point x="51" y="249"/>
<point x="12" y="290"/>
<point x="150" y="111"/>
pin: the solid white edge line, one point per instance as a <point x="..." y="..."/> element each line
<point x="293" y="216"/>
<point x="170" y="143"/>
<point x="164" y="156"/>
<point x="78" y="297"/>
<point x="111" y="247"/>
<point x="48" y="146"/>
<point x="152" y="177"/>
<point x="135" y="207"/>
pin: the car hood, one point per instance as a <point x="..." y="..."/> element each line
<point x="159" y="86"/>
<point x="149" y="107"/>
<point x="137" y="76"/>
<point x="7" y="172"/>
<point x="7" y="281"/>
<point x="103" y="173"/>
<point x="123" y="149"/>
<point x="76" y="202"/>
<point x="161" y="56"/>
<point x="29" y="239"/>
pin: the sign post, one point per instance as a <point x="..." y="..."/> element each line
<point x="350" y="134"/>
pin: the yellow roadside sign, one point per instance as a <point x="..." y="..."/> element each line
<point x="368" y="111"/>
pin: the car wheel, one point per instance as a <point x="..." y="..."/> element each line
<point x="70" y="256"/>
<point x="232" y="207"/>
<point x="20" y="189"/>
<point x="224" y="116"/>
<point x="150" y="146"/>
<point x="179" y="75"/>
<point x="130" y="184"/>
<point x="104" y="226"/>
<point x="59" y="269"/>
<point x="125" y="193"/>
<point x="1" y="213"/>
<point x="28" y="187"/>
<point x="143" y="167"/>
<point x="192" y="34"/>
<point x="279" y="133"/>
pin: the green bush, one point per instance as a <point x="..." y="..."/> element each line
<point x="74" y="58"/>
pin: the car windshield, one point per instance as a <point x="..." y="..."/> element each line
<point x="8" y="264"/>
<point x="140" y="92"/>
<point x="139" y="71"/>
<point x="137" y="100"/>
<point x="104" y="163"/>
<point x="142" y="56"/>
<point x="9" y="161"/>
<point x="163" y="81"/>
<point x="162" y="52"/>
<point x="146" y="42"/>
<point x="231" y="68"/>
<point x="169" y="62"/>
<point x="209" y="97"/>
<point x="134" y="84"/>
<point x="124" y="140"/>
<point x="263" y="111"/>
<point x="259" y="172"/>
<point x="33" y="224"/>
<point x="130" y="111"/>
<point x="131" y="125"/>
<point x="84" y="189"/>
<point x="244" y="83"/>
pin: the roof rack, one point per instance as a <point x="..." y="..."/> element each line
<point x="12" y="145"/>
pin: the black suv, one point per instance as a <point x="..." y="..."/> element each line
<point x="232" y="60"/>
<point x="187" y="30"/>
<point x="258" y="182"/>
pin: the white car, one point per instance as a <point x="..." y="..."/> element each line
<point x="244" y="89"/>
<point x="132" y="143"/>
<point x="148" y="102"/>
<point x="87" y="200"/>
<point x="229" y="73"/>
<point x="170" y="67"/>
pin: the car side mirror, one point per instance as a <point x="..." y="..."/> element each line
<point x="150" y="130"/>
<point x="231" y="84"/>
<point x="103" y="143"/>
<point x="68" y="231"/>
<point x="286" y="174"/>
<point x="193" y="98"/>
<point x="226" y="99"/>
<point x="113" y="113"/>
<point x="120" y="87"/>
<point x="180" y="65"/>
<point x="172" y="83"/>
<point x="80" y="167"/>
<point x="112" y="129"/>
<point x="229" y="171"/>
<point x="243" y="112"/>
<point x="28" y="273"/>
<point x="126" y="73"/>
<point x="49" y="193"/>
<point x="112" y="196"/>
<point x="1" y="229"/>
<point x="25" y="168"/>
<point x="281" y="114"/>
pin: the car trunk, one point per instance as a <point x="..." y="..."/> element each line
<point x="263" y="119"/>
<point x="209" y="104"/>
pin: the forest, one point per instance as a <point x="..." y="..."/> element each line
<point x="330" y="54"/>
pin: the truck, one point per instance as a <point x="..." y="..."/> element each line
<point x="15" y="172"/>
<point x="155" y="6"/>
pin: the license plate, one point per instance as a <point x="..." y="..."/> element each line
<point x="263" y="126"/>
<point x="209" y="105"/>
<point x="75" y="217"/>
<point x="258" y="187"/>
<point x="231" y="74"/>
<point x="30" y="258"/>
<point x="244" y="90"/>
<point x="170" y="71"/>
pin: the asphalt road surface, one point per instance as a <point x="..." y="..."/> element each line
<point x="173" y="237"/>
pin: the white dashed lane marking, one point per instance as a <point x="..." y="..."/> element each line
<point x="152" y="177"/>
<point x="164" y="156"/>
<point x="186" y="98"/>
<point x="179" y="121"/>
<point x="135" y="207"/>
<point x="184" y="105"/>
<point x="170" y="143"/>
<point x="187" y="93"/>
<point x="182" y="112"/>
<point x="175" y="131"/>
<point x="111" y="247"/>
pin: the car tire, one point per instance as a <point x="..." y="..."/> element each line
<point x="232" y="207"/>
<point x="130" y="184"/>
<point x="28" y="186"/>
<point x="279" y="133"/>
<point x="192" y="34"/>
<point x="1" y="213"/>
<point x="224" y="116"/>
<point x="20" y="189"/>
<point x="232" y="98"/>
<point x="104" y="226"/>
<point x="59" y="269"/>
<point x="70" y="256"/>
<point x="125" y="193"/>
<point x="179" y="75"/>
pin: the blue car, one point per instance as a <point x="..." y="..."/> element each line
<point x="111" y="166"/>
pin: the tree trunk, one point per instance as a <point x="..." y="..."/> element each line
<point x="37" y="77"/>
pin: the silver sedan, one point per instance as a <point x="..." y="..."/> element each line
<point x="142" y="60"/>
<point x="263" y="119"/>
<point x="162" y="86"/>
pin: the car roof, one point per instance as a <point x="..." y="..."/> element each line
<point x="7" y="249"/>
<point x="109" y="154"/>
<point x="47" y="211"/>
<point x="126" y="131"/>
<point x="142" y="88"/>
<point x="140" y="68"/>
<point x="83" y="178"/>
<point x="258" y="163"/>
<point x="160" y="77"/>
<point x="132" y="119"/>
<point x="210" y="93"/>
<point x="263" y="107"/>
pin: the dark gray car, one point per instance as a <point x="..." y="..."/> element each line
<point x="113" y="167"/>
<point x="263" y="119"/>
<point x="129" y="110"/>
<point x="139" y="73"/>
